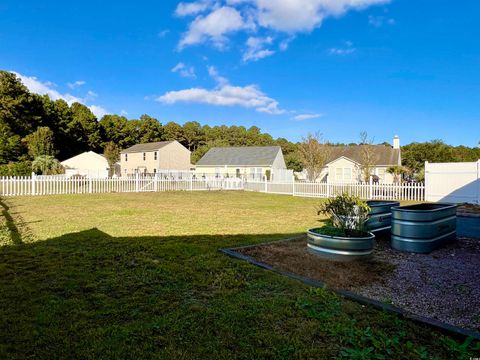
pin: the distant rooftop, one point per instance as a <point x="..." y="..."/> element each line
<point x="382" y="154"/>
<point x="240" y="156"/>
<point x="146" y="147"/>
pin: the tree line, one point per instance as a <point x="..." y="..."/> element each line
<point x="35" y="131"/>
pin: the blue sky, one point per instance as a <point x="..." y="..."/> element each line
<point x="289" y="67"/>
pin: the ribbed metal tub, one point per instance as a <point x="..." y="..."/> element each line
<point x="340" y="248"/>
<point x="380" y="217"/>
<point x="423" y="228"/>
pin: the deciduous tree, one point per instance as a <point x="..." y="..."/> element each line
<point x="314" y="155"/>
<point x="112" y="154"/>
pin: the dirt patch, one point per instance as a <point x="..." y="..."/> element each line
<point x="468" y="209"/>
<point x="294" y="257"/>
<point x="443" y="285"/>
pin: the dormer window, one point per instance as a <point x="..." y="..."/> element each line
<point x="144" y="156"/>
<point x="155" y="155"/>
<point x="126" y="157"/>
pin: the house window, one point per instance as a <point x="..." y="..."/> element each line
<point x="144" y="156"/>
<point x="126" y="157"/>
<point x="259" y="174"/>
<point x="339" y="174"/>
<point x="155" y="170"/>
<point x="217" y="172"/>
<point x="381" y="174"/>
<point x="347" y="174"/>
<point x="155" y="155"/>
<point x="343" y="174"/>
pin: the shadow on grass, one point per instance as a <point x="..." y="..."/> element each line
<point x="92" y="296"/>
<point x="14" y="232"/>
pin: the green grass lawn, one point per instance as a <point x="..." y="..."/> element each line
<point x="139" y="276"/>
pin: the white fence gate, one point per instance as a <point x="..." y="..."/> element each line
<point x="453" y="182"/>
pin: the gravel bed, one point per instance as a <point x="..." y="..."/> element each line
<point x="443" y="285"/>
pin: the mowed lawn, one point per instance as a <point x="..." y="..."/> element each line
<point x="139" y="276"/>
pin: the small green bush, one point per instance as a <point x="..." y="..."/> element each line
<point x="346" y="212"/>
<point x="21" y="168"/>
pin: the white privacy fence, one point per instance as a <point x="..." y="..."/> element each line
<point x="453" y="182"/>
<point x="52" y="185"/>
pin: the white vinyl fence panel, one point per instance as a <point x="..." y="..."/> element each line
<point x="453" y="182"/>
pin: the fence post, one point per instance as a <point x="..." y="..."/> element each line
<point x="136" y="182"/>
<point x="293" y="185"/>
<point x="478" y="181"/>
<point x="266" y="184"/>
<point x="371" y="187"/>
<point x="89" y="184"/>
<point x="328" y="188"/>
<point x="155" y="182"/>
<point x="426" y="181"/>
<point x="191" y="181"/>
<point x="33" y="183"/>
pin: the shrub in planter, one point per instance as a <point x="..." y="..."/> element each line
<point x="344" y="236"/>
<point x="347" y="214"/>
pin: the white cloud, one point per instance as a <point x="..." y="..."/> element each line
<point x="224" y="94"/>
<point x="221" y="18"/>
<point x="346" y="50"/>
<point x="76" y="84"/>
<point x="45" y="88"/>
<point x="220" y="80"/>
<point x="379" y="21"/>
<point x="184" y="71"/>
<point x="256" y="48"/>
<point x="192" y="8"/>
<point x="301" y="117"/>
<point x="123" y="112"/>
<point x="98" y="111"/>
<point x="294" y="16"/>
<point x="214" y="27"/>
<point x="284" y="44"/>
<point x="92" y="94"/>
<point x="163" y="33"/>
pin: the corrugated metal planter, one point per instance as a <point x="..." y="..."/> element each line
<point x="423" y="228"/>
<point x="340" y="248"/>
<point x="380" y="218"/>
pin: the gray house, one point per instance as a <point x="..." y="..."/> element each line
<point x="252" y="162"/>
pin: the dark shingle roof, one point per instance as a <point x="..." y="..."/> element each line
<point x="240" y="156"/>
<point x="146" y="147"/>
<point x="383" y="155"/>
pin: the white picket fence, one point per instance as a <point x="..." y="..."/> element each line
<point x="57" y="185"/>
<point x="371" y="191"/>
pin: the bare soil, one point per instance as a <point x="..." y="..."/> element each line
<point x="294" y="257"/>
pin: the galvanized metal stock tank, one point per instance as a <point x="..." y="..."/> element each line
<point x="423" y="228"/>
<point x="380" y="217"/>
<point x="340" y="248"/>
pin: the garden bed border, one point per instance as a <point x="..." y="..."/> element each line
<point x="452" y="329"/>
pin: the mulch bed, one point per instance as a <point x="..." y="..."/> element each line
<point x="443" y="285"/>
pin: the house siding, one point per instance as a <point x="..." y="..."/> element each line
<point x="87" y="164"/>
<point x="173" y="156"/>
<point x="231" y="171"/>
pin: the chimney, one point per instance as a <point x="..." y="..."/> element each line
<point x="396" y="142"/>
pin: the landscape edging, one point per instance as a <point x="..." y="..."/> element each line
<point x="456" y="330"/>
